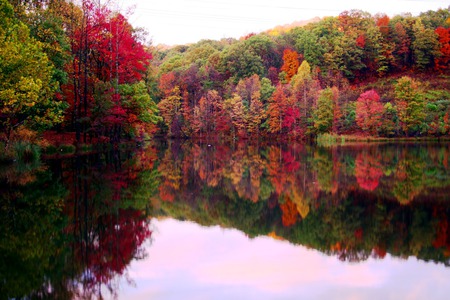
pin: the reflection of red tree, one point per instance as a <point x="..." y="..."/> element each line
<point x="165" y="192"/>
<point x="379" y="252"/>
<point x="289" y="162"/>
<point x="445" y="159"/>
<point x="359" y="234"/>
<point x="106" y="226"/>
<point x="290" y="213"/>
<point x="111" y="245"/>
<point x="367" y="171"/>
<point x="442" y="234"/>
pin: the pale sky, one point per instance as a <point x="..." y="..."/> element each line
<point x="174" y="22"/>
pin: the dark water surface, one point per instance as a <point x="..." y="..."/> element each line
<point x="211" y="221"/>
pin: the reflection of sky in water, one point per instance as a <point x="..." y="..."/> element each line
<point x="187" y="261"/>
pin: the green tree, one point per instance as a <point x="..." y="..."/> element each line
<point x="267" y="90"/>
<point x="402" y="41"/>
<point x="46" y="22"/>
<point x="301" y="85"/>
<point x="142" y="110"/>
<point x="263" y="46"/>
<point x="434" y="19"/>
<point x="410" y="105"/>
<point x="323" y="114"/>
<point x="389" y="126"/>
<point x="238" y="61"/>
<point x="307" y="43"/>
<point x="426" y="46"/>
<point x="200" y="52"/>
<point x="26" y="86"/>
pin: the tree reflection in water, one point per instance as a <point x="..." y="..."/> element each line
<point x="74" y="228"/>
<point x="354" y="201"/>
<point x="70" y="229"/>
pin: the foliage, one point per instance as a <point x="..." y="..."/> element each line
<point x="410" y="105"/>
<point x="323" y="115"/>
<point x="26" y="86"/>
<point x="425" y="46"/>
<point x="442" y="61"/>
<point x="369" y="112"/>
<point x="81" y="67"/>
<point x="291" y="63"/>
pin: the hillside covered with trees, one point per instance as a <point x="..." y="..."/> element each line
<point x="351" y="74"/>
<point x="83" y="74"/>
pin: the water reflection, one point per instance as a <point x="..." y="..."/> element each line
<point x="354" y="202"/>
<point x="189" y="261"/>
<point x="70" y="227"/>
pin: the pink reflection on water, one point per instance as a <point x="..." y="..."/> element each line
<point x="188" y="261"/>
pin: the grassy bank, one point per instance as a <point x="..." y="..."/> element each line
<point x="327" y="140"/>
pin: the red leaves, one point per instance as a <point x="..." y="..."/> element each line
<point x="443" y="62"/>
<point x="290" y="164"/>
<point x="383" y="24"/>
<point x="277" y="110"/>
<point x="167" y="83"/>
<point x="361" y="41"/>
<point x="116" y="115"/>
<point x="290" y="117"/>
<point x="359" y="234"/>
<point x="442" y="234"/>
<point x="369" y="111"/>
<point x="116" y="240"/>
<point x="368" y="171"/>
<point x="379" y="252"/>
<point x="120" y="55"/>
<point x="106" y="52"/>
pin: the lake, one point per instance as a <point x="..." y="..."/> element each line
<point x="215" y="221"/>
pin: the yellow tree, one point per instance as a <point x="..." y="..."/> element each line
<point x="237" y="113"/>
<point x="323" y="115"/>
<point x="256" y="114"/>
<point x="410" y="105"/>
<point x="170" y="111"/>
<point x="26" y="88"/>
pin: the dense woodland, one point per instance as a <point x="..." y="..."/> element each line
<point x="79" y="73"/>
<point x="351" y="74"/>
<point x="83" y="69"/>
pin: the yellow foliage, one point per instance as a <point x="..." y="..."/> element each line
<point x="275" y="236"/>
<point x="302" y="205"/>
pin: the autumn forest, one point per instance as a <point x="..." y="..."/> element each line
<point x="81" y="74"/>
<point x="102" y="132"/>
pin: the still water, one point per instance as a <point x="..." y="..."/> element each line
<point x="212" y="221"/>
